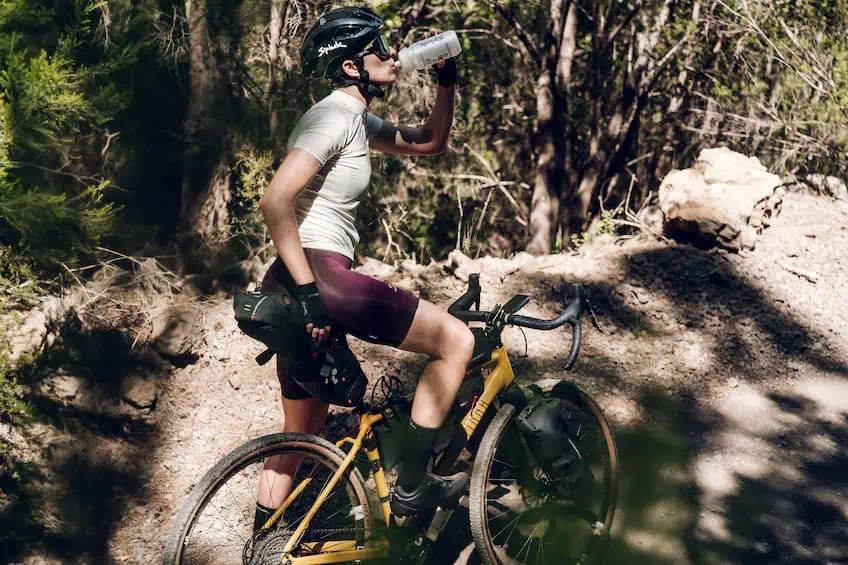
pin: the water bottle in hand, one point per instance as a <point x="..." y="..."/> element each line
<point x="427" y="52"/>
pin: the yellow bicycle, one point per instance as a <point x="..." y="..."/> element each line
<point x="519" y="513"/>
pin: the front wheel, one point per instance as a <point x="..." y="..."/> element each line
<point x="519" y="516"/>
<point x="215" y="525"/>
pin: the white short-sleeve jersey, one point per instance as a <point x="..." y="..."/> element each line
<point x="336" y="131"/>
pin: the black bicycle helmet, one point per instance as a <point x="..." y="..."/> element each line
<point x="342" y="34"/>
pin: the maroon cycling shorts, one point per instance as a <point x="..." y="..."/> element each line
<point x="357" y="304"/>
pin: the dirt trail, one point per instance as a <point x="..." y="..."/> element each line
<point x="725" y="376"/>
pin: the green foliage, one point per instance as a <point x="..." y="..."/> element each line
<point x="94" y="94"/>
<point x="783" y="93"/>
<point x="61" y="221"/>
<point x="253" y="170"/>
<point x="58" y="97"/>
<point x="13" y="408"/>
<point x="605" y="225"/>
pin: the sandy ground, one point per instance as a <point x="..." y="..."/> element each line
<point x="724" y="376"/>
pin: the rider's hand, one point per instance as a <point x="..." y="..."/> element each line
<point x="314" y="313"/>
<point x="446" y="71"/>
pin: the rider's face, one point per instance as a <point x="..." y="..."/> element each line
<point x="380" y="72"/>
<point x="379" y="61"/>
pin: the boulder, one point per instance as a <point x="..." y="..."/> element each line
<point x="724" y="199"/>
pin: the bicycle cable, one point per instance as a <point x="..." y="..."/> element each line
<point x="392" y="390"/>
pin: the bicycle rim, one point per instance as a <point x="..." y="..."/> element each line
<point x="215" y="526"/>
<point x="516" y="515"/>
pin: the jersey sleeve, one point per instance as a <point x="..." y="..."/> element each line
<point x="320" y="133"/>
<point x="372" y="124"/>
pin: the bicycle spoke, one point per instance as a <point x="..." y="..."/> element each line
<point x="527" y="543"/>
<point x="504" y="463"/>
<point x="293" y="524"/>
<point x="542" y="550"/>
<point x="231" y="527"/>
<point x="221" y="533"/>
<point x="497" y="535"/>
<point x="230" y="492"/>
<point x="499" y="514"/>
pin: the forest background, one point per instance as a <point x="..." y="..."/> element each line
<point x="151" y="128"/>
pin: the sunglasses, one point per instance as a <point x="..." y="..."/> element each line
<point x="380" y="48"/>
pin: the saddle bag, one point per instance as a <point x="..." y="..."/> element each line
<point x="272" y="318"/>
<point x="329" y="371"/>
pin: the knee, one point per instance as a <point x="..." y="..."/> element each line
<point x="459" y="341"/>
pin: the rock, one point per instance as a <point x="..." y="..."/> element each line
<point x="830" y="185"/>
<point x="411" y="267"/>
<point x="66" y="387"/>
<point x="461" y="265"/>
<point x="141" y="393"/>
<point x="643" y="298"/>
<point x="652" y="217"/>
<point x="375" y="268"/>
<point x="733" y="382"/>
<point x="204" y="415"/>
<point x="178" y="335"/>
<point x="724" y="199"/>
<point x="748" y="238"/>
<point x="235" y="381"/>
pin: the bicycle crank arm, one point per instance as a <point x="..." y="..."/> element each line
<point x="437" y="525"/>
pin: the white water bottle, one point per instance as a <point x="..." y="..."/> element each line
<point x="427" y="52"/>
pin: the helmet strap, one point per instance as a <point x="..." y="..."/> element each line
<point x="366" y="87"/>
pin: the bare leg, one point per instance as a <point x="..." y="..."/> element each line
<point x="450" y="342"/>
<point x="303" y="415"/>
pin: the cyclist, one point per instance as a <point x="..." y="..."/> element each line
<point x="309" y="209"/>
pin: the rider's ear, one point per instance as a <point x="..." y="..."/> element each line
<point x="349" y="68"/>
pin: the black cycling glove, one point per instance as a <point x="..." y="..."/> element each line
<point x="446" y="75"/>
<point x="311" y="306"/>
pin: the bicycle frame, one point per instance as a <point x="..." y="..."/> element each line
<point x="498" y="376"/>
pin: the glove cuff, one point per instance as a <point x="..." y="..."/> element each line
<point x="446" y="76"/>
<point x="308" y="289"/>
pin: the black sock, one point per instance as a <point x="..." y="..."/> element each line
<point x="261" y="516"/>
<point x="419" y="447"/>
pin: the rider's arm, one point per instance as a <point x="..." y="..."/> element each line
<point x="277" y="205"/>
<point x="429" y="139"/>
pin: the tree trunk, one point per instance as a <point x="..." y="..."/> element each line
<point x="672" y="114"/>
<point x="411" y="17"/>
<point x="551" y="130"/>
<point x="279" y="9"/>
<point x="608" y="146"/>
<point x="205" y="187"/>
<point x="544" y="207"/>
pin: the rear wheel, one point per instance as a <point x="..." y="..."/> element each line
<point x="215" y="525"/>
<point x="519" y="515"/>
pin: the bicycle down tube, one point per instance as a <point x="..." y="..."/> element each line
<point x="500" y="376"/>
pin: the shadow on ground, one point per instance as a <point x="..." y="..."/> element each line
<point x="699" y="483"/>
<point x="702" y="483"/>
<point x="83" y="460"/>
